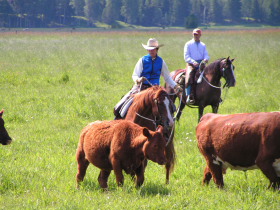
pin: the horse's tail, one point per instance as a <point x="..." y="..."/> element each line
<point x="171" y="158"/>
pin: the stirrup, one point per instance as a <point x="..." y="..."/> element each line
<point x="189" y="100"/>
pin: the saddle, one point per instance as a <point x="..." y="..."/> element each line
<point x="180" y="75"/>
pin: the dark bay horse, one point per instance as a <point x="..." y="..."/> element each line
<point x="208" y="91"/>
<point x="153" y="107"/>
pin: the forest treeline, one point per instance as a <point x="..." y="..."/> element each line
<point x="87" y="13"/>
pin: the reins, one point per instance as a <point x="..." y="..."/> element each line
<point x="211" y="84"/>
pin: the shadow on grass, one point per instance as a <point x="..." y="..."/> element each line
<point x="148" y="189"/>
<point x="153" y="189"/>
<point x="90" y="185"/>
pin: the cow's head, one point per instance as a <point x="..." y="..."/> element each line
<point x="155" y="145"/>
<point x="4" y="136"/>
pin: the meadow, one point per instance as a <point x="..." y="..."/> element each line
<point x="55" y="83"/>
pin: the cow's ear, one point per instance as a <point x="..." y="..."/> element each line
<point x="146" y="132"/>
<point x="160" y="129"/>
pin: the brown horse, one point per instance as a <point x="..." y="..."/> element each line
<point x="153" y="107"/>
<point x="208" y="91"/>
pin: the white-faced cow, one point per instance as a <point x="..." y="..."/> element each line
<point x="119" y="145"/>
<point x="241" y="142"/>
<point x="5" y="139"/>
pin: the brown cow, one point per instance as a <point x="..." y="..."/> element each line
<point x="119" y="145"/>
<point x="5" y="139"/>
<point x="241" y="142"/>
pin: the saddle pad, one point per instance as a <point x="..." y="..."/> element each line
<point x="179" y="74"/>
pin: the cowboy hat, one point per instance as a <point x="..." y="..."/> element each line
<point x="152" y="44"/>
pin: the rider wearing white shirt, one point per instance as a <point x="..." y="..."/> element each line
<point x="146" y="73"/>
<point x="164" y="72"/>
<point x="194" y="53"/>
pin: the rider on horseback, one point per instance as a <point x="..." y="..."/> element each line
<point x="195" y="52"/>
<point x="146" y="73"/>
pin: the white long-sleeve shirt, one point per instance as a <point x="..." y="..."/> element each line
<point x="194" y="51"/>
<point x="164" y="72"/>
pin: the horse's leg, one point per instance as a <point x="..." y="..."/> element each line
<point x="170" y="156"/>
<point x="103" y="178"/>
<point x="200" y="112"/>
<point x="180" y="110"/>
<point x="82" y="166"/>
<point x="215" y="108"/>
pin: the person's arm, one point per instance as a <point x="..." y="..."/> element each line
<point x="206" y="56"/>
<point x="137" y="70"/>
<point x="166" y="75"/>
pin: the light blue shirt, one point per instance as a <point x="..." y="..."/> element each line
<point x="194" y="51"/>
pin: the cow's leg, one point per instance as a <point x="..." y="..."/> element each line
<point x="140" y="173"/>
<point x="207" y="176"/>
<point x="266" y="167"/>
<point x="82" y="166"/>
<point x="103" y="178"/>
<point x="216" y="171"/>
<point x="118" y="171"/>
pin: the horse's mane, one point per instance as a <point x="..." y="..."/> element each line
<point x="213" y="66"/>
<point x="143" y="98"/>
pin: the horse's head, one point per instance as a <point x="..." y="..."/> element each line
<point x="227" y="69"/>
<point x="163" y="108"/>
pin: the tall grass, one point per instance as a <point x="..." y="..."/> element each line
<point x="53" y="84"/>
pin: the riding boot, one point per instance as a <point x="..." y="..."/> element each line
<point x="190" y="98"/>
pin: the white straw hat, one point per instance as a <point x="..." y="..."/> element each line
<point x="152" y="44"/>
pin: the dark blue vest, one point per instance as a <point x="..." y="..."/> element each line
<point x="151" y="69"/>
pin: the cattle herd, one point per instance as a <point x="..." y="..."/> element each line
<point x="239" y="141"/>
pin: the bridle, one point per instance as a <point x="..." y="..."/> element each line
<point x="157" y="121"/>
<point x="223" y="75"/>
<point x="157" y="117"/>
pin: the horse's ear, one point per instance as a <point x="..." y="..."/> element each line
<point x="155" y="107"/>
<point x="160" y="129"/>
<point x="146" y="133"/>
<point x="232" y="59"/>
<point x="227" y="58"/>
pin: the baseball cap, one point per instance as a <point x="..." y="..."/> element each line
<point x="197" y="31"/>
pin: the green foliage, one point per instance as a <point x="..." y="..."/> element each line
<point x="54" y="84"/>
<point x="64" y="13"/>
<point x="191" y="21"/>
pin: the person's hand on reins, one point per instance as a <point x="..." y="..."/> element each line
<point x="140" y="80"/>
<point x="178" y="89"/>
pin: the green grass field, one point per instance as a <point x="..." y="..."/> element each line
<point x="54" y="84"/>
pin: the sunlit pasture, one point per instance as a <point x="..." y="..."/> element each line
<point x="55" y="83"/>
